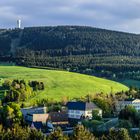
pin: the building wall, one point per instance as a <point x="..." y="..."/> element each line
<point x="40" y="118"/>
<point x="121" y="104"/>
<point x="136" y="104"/>
<point x="75" y="114"/>
<point x="88" y="113"/>
<point x="100" y="112"/>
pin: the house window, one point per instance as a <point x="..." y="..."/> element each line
<point x="77" y="112"/>
<point x="72" y="116"/>
<point x="71" y="111"/>
<point x="77" y="116"/>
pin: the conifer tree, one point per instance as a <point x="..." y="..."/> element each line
<point x="81" y="133"/>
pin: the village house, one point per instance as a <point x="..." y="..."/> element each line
<point x="78" y="109"/>
<point x="133" y="102"/>
<point x="56" y="119"/>
<point x="37" y="118"/>
<point x="33" y="110"/>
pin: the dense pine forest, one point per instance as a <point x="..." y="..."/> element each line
<point x="80" y="49"/>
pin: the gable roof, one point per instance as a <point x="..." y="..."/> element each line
<point x="79" y="105"/>
<point x="33" y="110"/>
<point x="130" y="100"/>
<point x="58" y="116"/>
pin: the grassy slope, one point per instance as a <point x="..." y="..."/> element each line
<point x="59" y="83"/>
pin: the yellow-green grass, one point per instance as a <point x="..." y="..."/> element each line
<point x="59" y="84"/>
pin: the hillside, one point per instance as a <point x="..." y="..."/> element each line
<point x="80" y="49"/>
<point x="59" y="84"/>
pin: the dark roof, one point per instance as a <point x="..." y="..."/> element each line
<point x="130" y="99"/>
<point x="58" y="116"/>
<point x="79" y="105"/>
<point x="33" y="110"/>
<point x="38" y="125"/>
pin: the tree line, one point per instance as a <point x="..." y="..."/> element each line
<point x="20" y="90"/>
<point x="80" y="133"/>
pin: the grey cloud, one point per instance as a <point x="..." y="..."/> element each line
<point x="112" y="14"/>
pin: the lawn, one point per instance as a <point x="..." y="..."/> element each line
<point x="59" y="84"/>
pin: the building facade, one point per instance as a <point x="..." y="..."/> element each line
<point x="133" y="102"/>
<point x="77" y="110"/>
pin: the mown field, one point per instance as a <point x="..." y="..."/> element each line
<point x="59" y="84"/>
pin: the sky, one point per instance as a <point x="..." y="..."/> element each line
<point x="121" y="15"/>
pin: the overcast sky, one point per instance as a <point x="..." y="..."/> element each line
<point x="122" y="15"/>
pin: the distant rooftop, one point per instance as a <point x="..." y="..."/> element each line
<point x="33" y="107"/>
<point x="58" y="116"/>
<point x="79" y="105"/>
<point x="33" y="110"/>
<point x="130" y="99"/>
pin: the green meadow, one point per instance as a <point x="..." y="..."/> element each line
<point x="59" y="84"/>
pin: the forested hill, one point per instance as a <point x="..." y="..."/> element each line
<point x="73" y="40"/>
<point x="76" y="48"/>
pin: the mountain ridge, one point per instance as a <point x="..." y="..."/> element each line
<point x="76" y="48"/>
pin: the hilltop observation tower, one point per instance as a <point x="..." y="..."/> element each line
<point x="19" y="24"/>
